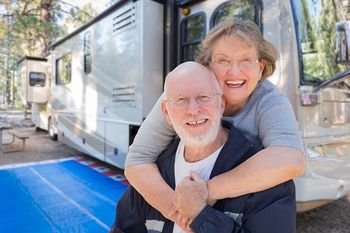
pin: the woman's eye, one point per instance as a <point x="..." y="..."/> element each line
<point x="224" y="62"/>
<point x="246" y="61"/>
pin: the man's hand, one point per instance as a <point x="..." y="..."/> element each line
<point x="191" y="195"/>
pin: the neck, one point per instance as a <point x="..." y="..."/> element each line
<point x="195" y="153"/>
<point x="230" y="110"/>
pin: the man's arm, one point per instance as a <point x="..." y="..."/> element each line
<point x="210" y="220"/>
<point x="267" y="168"/>
<point x="130" y="213"/>
<point x="155" y="191"/>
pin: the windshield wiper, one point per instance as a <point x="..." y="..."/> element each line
<point x="336" y="78"/>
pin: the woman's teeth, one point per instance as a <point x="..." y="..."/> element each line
<point x="235" y="83"/>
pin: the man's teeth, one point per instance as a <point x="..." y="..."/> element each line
<point x="235" y="82"/>
<point x="196" y="122"/>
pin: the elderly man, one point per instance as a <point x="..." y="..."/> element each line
<point x="193" y="105"/>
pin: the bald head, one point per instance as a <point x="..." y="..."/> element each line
<point x="193" y="104"/>
<point x="189" y="73"/>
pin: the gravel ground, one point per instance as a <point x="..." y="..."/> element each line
<point x="331" y="218"/>
<point x="38" y="147"/>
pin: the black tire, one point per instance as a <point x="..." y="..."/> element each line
<point x="51" y="131"/>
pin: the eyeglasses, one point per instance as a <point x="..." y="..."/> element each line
<point x="245" y="64"/>
<point x="182" y="101"/>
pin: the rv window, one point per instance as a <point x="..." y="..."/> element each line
<point x="315" y="23"/>
<point x="192" y="33"/>
<point x="87" y="53"/>
<point x="64" y="69"/>
<point x="239" y="9"/>
<point x="37" y="79"/>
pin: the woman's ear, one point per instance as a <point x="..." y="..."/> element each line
<point x="261" y="66"/>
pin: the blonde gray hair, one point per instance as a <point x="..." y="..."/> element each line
<point x="249" y="34"/>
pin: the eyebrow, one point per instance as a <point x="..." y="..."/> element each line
<point x="242" y="56"/>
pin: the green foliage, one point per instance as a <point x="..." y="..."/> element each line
<point x="27" y="27"/>
<point x="318" y="39"/>
<point x="79" y="16"/>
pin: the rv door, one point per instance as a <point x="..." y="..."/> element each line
<point x="323" y="40"/>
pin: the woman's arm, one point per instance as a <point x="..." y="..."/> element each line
<point x="154" y="135"/>
<point x="271" y="116"/>
<point x="146" y="179"/>
<point x="152" y="138"/>
<point x="265" y="169"/>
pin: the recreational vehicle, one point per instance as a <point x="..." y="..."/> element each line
<point x="104" y="77"/>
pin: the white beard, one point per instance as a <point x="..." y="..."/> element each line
<point x="203" y="139"/>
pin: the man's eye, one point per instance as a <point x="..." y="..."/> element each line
<point x="180" y="100"/>
<point x="203" y="98"/>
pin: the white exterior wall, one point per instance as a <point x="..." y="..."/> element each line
<point x="125" y="81"/>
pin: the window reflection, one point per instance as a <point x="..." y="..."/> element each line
<point x="316" y="28"/>
<point x="64" y="69"/>
<point x="37" y="79"/>
<point x="87" y="52"/>
<point x="193" y="27"/>
<point x="239" y="9"/>
<point x="193" y="32"/>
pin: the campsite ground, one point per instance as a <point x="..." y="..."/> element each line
<point x="38" y="147"/>
<point x="331" y="218"/>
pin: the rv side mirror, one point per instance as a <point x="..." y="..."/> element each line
<point x="342" y="42"/>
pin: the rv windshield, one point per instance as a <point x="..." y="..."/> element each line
<point x="315" y="22"/>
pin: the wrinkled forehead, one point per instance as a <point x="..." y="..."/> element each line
<point x="190" y="83"/>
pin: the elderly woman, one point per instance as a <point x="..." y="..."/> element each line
<point x="241" y="59"/>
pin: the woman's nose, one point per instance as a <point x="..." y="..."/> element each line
<point x="234" y="69"/>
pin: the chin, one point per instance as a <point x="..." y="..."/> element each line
<point x="201" y="140"/>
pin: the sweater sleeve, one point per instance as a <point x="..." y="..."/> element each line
<point x="277" y="124"/>
<point x="210" y="220"/>
<point x="152" y="138"/>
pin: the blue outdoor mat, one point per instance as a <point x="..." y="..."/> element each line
<point x="57" y="197"/>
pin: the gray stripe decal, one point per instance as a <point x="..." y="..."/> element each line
<point x="154" y="226"/>
<point x="235" y="216"/>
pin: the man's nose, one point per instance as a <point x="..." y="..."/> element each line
<point x="193" y="106"/>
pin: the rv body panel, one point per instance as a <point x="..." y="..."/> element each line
<point x="34" y="79"/>
<point x="95" y="106"/>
